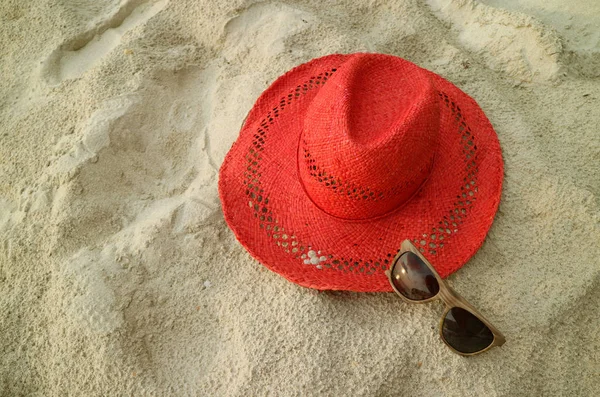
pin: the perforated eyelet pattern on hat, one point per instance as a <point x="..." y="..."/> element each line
<point x="351" y="190"/>
<point x="430" y="242"/>
<point x="427" y="243"/>
<point x="258" y="200"/>
<point x="280" y="226"/>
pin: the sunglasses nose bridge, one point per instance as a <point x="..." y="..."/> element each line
<point x="446" y="293"/>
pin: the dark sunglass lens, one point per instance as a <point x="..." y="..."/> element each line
<point x="465" y="332"/>
<point x="413" y="279"/>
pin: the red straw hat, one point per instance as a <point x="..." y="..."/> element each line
<point x="345" y="156"/>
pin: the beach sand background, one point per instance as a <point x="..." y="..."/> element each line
<point x="119" y="276"/>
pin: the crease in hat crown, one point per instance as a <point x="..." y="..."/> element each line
<point x="369" y="137"/>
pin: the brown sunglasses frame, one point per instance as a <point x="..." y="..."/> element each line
<point x="450" y="298"/>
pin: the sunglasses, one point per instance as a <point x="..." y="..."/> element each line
<point x="462" y="327"/>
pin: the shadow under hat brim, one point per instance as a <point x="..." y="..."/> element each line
<point x="265" y="204"/>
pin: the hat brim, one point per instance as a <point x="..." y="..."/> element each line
<point x="265" y="204"/>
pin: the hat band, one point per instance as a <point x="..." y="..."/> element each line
<point x="346" y="200"/>
<point x="355" y="194"/>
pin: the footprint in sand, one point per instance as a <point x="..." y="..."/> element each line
<point x="73" y="58"/>
<point x="513" y="43"/>
<point x="261" y="29"/>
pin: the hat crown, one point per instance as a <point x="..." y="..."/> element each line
<point x="369" y="137"/>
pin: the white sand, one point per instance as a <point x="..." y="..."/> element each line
<point x="118" y="275"/>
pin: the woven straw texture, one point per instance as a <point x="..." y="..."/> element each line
<point x="345" y="156"/>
